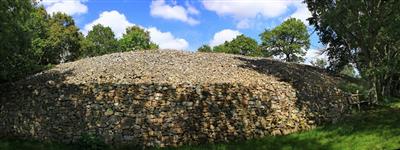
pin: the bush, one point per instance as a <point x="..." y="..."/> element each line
<point x="355" y="88"/>
<point x="92" y="142"/>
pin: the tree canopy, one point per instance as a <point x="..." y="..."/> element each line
<point x="348" y="70"/>
<point x="204" y="48"/>
<point x="136" y="38"/>
<point x="16" y="57"/>
<point x="367" y="34"/>
<point x="31" y="39"/>
<point x="63" y="42"/>
<point x="242" y="45"/>
<point x="39" y="28"/>
<point x="99" y="41"/>
<point x="289" y="41"/>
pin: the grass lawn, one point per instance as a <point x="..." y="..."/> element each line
<point x="374" y="128"/>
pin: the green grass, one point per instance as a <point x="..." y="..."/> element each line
<point x="373" y="128"/>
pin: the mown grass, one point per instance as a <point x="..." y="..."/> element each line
<point x="372" y="128"/>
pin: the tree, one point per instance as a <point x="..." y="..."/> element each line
<point x="99" y="41"/>
<point x="136" y="38"/>
<point x="204" y="48"/>
<point x="39" y="27"/>
<point x="16" y="59"/>
<point x="321" y="63"/>
<point x="153" y="46"/>
<point x="290" y="40"/>
<point x="222" y="48"/>
<point x="367" y="34"/>
<point x="63" y="43"/>
<point x="244" y="46"/>
<point x="240" y="45"/>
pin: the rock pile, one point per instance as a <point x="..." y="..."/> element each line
<point x="169" y="98"/>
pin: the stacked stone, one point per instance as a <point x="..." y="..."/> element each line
<point x="152" y="114"/>
<point x="50" y="106"/>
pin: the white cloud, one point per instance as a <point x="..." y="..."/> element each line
<point x="243" y="24"/>
<point x="159" y="8"/>
<point x="113" y="19"/>
<point x="249" y="9"/>
<point x="224" y="35"/>
<point x="118" y="23"/>
<point x="191" y="9"/>
<point x="166" y="40"/>
<point x="70" y="7"/>
<point x="313" y="55"/>
<point x="301" y="12"/>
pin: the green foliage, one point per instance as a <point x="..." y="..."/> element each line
<point x="92" y="142"/>
<point x="39" y="24"/>
<point x="13" y="144"/>
<point x="63" y="42"/>
<point x="244" y="46"/>
<point x="240" y="45"/>
<point x="355" y="88"/>
<point x="204" y="48"/>
<point x="136" y="38"/>
<point x="321" y="63"/>
<point x="31" y="39"/>
<point x="358" y="31"/>
<point x="367" y="34"/>
<point x="222" y="48"/>
<point x="348" y="70"/>
<point x="16" y="57"/>
<point x="99" y="41"/>
<point x="352" y="88"/>
<point x="153" y="46"/>
<point x="34" y="39"/>
<point x="290" y="40"/>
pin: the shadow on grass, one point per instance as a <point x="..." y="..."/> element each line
<point x="268" y="143"/>
<point x="12" y="144"/>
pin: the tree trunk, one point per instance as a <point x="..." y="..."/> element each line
<point x="288" y="59"/>
<point x="373" y="92"/>
<point x="387" y="86"/>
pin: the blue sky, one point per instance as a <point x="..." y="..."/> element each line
<point x="186" y="24"/>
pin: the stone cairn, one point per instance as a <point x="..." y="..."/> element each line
<point x="169" y="98"/>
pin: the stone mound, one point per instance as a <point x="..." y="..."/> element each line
<point x="171" y="67"/>
<point x="170" y="98"/>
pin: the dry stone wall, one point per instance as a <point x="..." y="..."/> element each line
<point x="154" y="115"/>
<point x="46" y="107"/>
